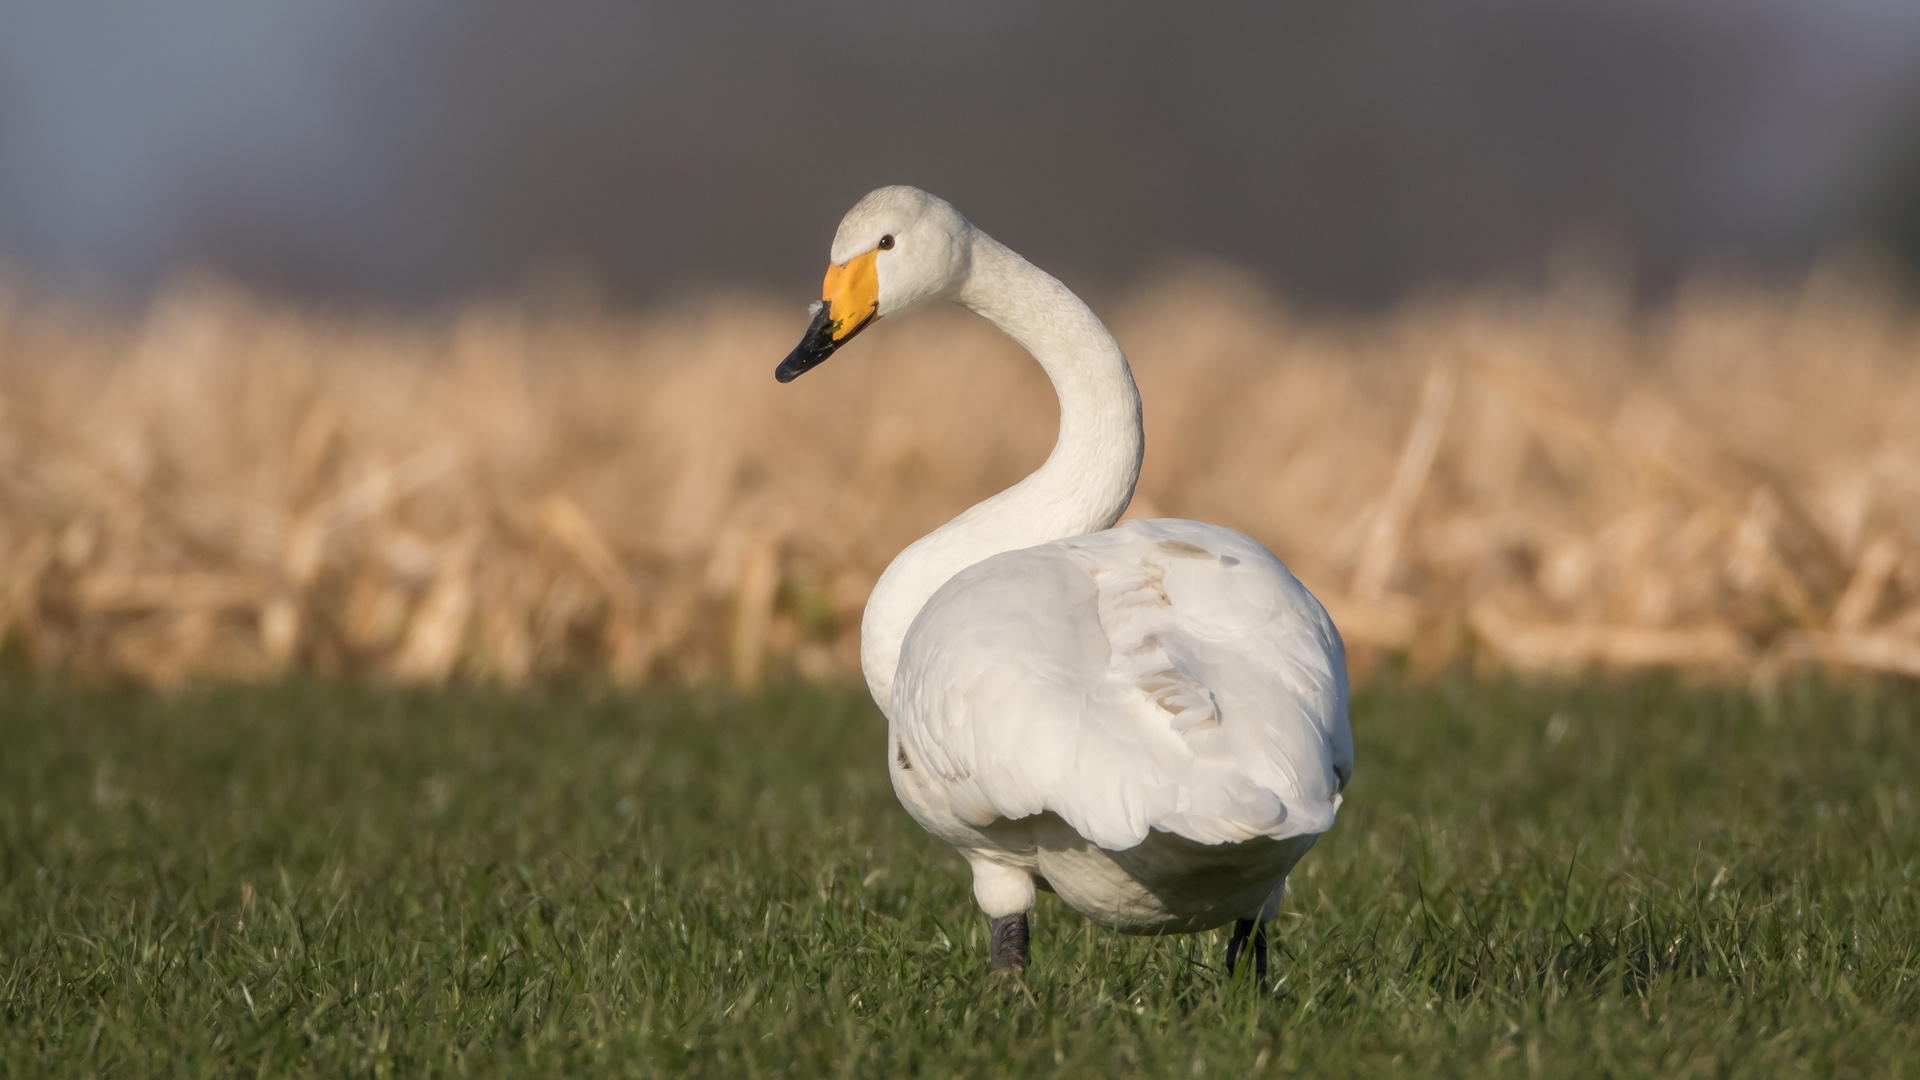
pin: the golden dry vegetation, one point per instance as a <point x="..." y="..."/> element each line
<point x="228" y="487"/>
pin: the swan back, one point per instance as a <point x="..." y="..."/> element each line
<point x="1162" y="675"/>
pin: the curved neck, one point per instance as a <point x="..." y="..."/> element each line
<point x="1083" y="487"/>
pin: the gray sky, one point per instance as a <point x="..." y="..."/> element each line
<point x="414" y="151"/>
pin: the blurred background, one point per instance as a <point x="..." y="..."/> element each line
<point x="420" y="152"/>
<point x="430" y="340"/>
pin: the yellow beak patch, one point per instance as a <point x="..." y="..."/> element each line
<point x="852" y="294"/>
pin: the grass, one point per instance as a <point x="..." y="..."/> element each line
<point x="1604" y="879"/>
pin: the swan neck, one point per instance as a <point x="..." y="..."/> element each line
<point x="1084" y="485"/>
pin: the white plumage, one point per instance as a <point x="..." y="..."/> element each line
<point x="1159" y="677"/>
<point x="1149" y="719"/>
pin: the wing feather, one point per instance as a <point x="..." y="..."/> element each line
<point x="1160" y="675"/>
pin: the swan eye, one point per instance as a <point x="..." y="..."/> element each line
<point x="886" y="243"/>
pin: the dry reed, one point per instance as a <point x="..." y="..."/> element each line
<point x="230" y="488"/>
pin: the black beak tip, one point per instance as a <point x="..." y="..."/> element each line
<point x="815" y="346"/>
<point x="805" y="357"/>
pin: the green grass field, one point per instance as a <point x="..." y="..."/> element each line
<point x="1587" y="879"/>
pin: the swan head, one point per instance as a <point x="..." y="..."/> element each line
<point x="897" y="247"/>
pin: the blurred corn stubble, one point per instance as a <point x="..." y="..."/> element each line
<point x="230" y="488"/>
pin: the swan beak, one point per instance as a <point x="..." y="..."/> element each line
<point x="849" y="302"/>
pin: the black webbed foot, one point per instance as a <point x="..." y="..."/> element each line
<point x="1007" y="950"/>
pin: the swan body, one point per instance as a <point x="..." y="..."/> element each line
<point x="1151" y="719"/>
<point x="1140" y="717"/>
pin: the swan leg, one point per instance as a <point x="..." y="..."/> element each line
<point x="1006" y="894"/>
<point x="1249" y="932"/>
<point x="1007" y="950"/>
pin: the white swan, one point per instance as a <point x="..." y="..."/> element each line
<point x="1149" y="720"/>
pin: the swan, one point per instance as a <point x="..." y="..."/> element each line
<point x="1148" y="719"/>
